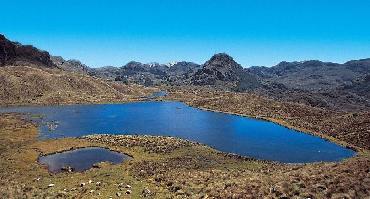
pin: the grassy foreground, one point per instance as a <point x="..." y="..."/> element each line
<point x="166" y="167"/>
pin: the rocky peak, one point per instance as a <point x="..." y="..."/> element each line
<point x="222" y="61"/>
<point x="222" y="70"/>
<point x="14" y="53"/>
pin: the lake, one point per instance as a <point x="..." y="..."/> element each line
<point x="225" y="132"/>
<point x="80" y="159"/>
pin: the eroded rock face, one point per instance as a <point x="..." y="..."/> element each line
<point x="13" y="53"/>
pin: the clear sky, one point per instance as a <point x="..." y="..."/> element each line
<point x="254" y="32"/>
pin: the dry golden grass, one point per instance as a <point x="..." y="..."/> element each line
<point x="21" y="85"/>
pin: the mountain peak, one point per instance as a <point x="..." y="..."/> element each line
<point x="222" y="60"/>
<point x="14" y="53"/>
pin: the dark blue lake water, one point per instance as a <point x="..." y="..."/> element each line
<point x="225" y="132"/>
<point x="81" y="159"/>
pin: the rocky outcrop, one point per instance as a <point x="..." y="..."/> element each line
<point x="222" y="70"/>
<point x="13" y="53"/>
<point x="72" y="65"/>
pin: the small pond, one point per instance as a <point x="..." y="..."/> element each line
<point x="225" y="132"/>
<point x="157" y="94"/>
<point x="80" y="159"/>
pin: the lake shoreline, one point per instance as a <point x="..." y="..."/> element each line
<point x="330" y="151"/>
<point x="166" y="166"/>
<point x="170" y="97"/>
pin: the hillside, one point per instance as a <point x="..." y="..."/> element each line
<point x="316" y="83"/>
<point x="31" y="76"/>
<point x="72" y="65"/>
<point x="30" y="85"/>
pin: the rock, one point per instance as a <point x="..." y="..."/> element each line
<point x="90" y="181"/>
<point x="92" y="191"/>
<point x="128" y="191"/>
<point x="146" y="192"/>
<point x="51" y="185"/>
<point x="61" y="194"/>
<point x="128" y="186"/>
<point x="82" y="184"/>
<point x="67" y="169"/>
<point x="98" y="183"/>
<point x="97" y="166"/>
<point x="118" y="194"/>
<point x="272" y="190"/>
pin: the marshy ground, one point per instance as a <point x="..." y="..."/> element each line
<point x="166" y="167"/>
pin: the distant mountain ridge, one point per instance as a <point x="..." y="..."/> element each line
<point x="314" y="75"/>
<point x="324" y="84"/>
<point x="146" y="74"/>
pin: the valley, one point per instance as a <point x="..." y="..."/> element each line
<point x="327" y="100"/>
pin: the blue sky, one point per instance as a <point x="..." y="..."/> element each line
<point x="258" y="32"/>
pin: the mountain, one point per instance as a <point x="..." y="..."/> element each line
<point x="316" y="83"/>
<point x="313" y="75"/>
<point x="220" y="68"/>
<point x="72" y="65"/>
<point x="222" y="71"/>
<point x="359" y="87"/>
<point x="31" y="76"/>
<point x="181" y="68"/>
<point x="105" y="72"/>
<point x="13" y="53"/>
<point x="147" y="74"/>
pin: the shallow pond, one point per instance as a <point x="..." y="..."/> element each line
<point x="80" y="159"/>
<point x="225" y="132"/>
<point x="157" y="94"/>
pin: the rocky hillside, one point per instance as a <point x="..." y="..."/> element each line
<point x="13" y="53"/>
<point x="72" y="65"/>
<point x="322" y="84"/>
<point x="147" y="74"/>
<point x="222" y="71"/>
<point x="314" y="75"/>
<point x="31" y="76"/>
